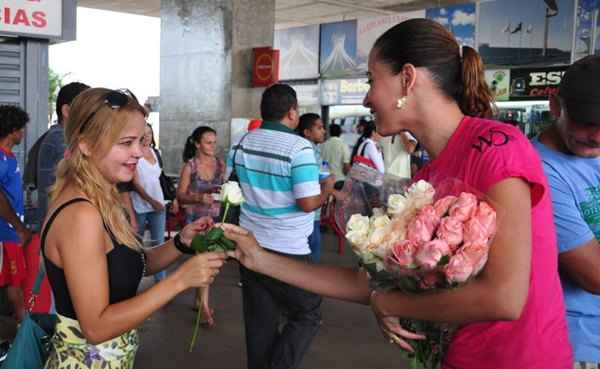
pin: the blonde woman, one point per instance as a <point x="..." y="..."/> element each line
<point x="93" y="259"/>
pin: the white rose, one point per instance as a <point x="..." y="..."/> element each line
<point x="232" y="193"/>
<point x="421" y="194"/>
<point x="357" y="239"/>
<point x="377" y="212"/>
<point x="377" y="235"/>
<point x="358" y="223"/>
<point x="396" y="204"/>
<point x="380" y="221"/>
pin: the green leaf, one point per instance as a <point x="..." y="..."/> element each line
<point x="444" y="260"/>
<point x="200" y="243"/>
<point x="214" y="234"/>
<point x="227" y="243"/>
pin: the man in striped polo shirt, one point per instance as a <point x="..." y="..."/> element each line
<point x="279" y="178"/>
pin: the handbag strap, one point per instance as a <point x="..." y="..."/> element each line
<point x="235" y="153"/>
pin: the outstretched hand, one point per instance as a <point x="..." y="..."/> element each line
<point x="247" y="250"/>
<point x="390" y="326"/>
<point x="200" y="225"/>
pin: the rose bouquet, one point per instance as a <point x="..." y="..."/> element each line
<point x="420" y="238"/>
<point x="215" y="240"/>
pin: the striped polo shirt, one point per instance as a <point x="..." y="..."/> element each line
<point x="275" y="167"/>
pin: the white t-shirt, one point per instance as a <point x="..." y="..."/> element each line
<point x="371" y="151"/>
<point x="148" y="176"/>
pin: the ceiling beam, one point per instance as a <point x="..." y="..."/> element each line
<point x="358" y="7"/>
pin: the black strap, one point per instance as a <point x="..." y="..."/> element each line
<point x="233" y="171"/>
<point x="54" y="215"/>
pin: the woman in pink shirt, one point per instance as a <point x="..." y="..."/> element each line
<point x="512" y="316"/>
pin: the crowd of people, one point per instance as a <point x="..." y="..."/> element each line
<point x="535" y="305"/>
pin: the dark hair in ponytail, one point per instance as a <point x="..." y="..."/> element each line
<point x="368" y="130"/>
<point x="189" y="150"/>
<point x="426" y="43"/>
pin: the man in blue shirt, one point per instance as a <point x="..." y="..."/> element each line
<point x="13" y="233"/>
<point x="570" y="151"/>
<point x="279" y="177"/>
<point x="52" y="147"/>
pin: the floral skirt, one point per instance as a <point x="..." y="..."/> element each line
<point x="71" y="350"/>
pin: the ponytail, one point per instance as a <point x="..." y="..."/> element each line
<point x="477" y="99"/>
<point x="189" y="150"/>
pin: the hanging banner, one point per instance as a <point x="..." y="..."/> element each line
<point x="519" y="33"/>
<point x="458" y="19"/>
<point x="585" y="40"/>
<point x="344" y="91"/>
<point x="499" y="82"/>
<point x="535" y="83"/>
<point x="370" y="29"/>
<point x="39" y="18"/>
<point x="338" y="50"/>
<point x="299" y="52"/>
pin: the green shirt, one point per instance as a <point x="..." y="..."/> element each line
<point x="336" y="153"/>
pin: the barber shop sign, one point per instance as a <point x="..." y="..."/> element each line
<point x="37" y="18"/>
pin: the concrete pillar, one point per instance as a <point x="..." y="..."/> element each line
<point x="206" y="67"/>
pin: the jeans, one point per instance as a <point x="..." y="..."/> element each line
<point x="314" y="242"/>
<point x="268" y="344"/>
<point x="155" y="222"/>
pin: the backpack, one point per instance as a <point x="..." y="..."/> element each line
<point x="30" y="174"/>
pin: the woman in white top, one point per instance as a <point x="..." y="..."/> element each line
<point x="367" y="150"/>
<point x="148" y="200"/>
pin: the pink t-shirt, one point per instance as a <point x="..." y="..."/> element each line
<point x="482" y="153"/>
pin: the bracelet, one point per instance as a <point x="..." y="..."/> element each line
<point x="179" y="245"/>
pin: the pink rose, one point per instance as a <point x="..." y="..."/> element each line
<point x="429" y="216"/>
<point x="451" y="231"/>
<point x="442" y="205"/>
<point x="464" y="207"/>
<point x="430" y="253"/>
<point x="403" y="253"/>
<point x="418" y="231"/>
<point x="475" y="232"/>
<point x="429" y="280"/>
<point x="459" y="268"/>
<point x="487" y="218"/>
<point x="477" y="254"/>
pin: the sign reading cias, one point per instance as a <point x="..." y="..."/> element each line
<point x="38" y="18"/>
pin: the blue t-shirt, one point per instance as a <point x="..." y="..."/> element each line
<point x="575" y="185"/>
<point x="12" y="186"/>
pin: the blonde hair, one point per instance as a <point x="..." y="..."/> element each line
<point x="93" y="122"/>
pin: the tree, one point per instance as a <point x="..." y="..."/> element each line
<point x="55" y="82"/>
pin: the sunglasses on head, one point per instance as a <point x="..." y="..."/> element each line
<point x="115" y="99"/>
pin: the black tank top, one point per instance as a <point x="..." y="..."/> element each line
<point x="125" y="270"/>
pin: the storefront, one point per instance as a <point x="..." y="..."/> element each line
<point x="26" y="29"/>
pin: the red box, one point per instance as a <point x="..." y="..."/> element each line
<point x="265" y="70"/>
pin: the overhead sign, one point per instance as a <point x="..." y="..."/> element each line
<point x="535" y="83"/>
<point x="343" y="91"/>
<point x="39" y="18"/>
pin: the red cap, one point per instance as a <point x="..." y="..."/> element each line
<point x="254" y="124"/>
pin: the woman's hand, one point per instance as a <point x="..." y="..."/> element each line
<point x="200" y="270"/>
<point x="199" y="225"/>
<point x="390" y="325"/>
<point x="205" y="198"/>
<point x="248" y="250"/>
<point x="157" y="205"/>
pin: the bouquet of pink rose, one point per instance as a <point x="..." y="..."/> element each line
<point x="424" y="238"/>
